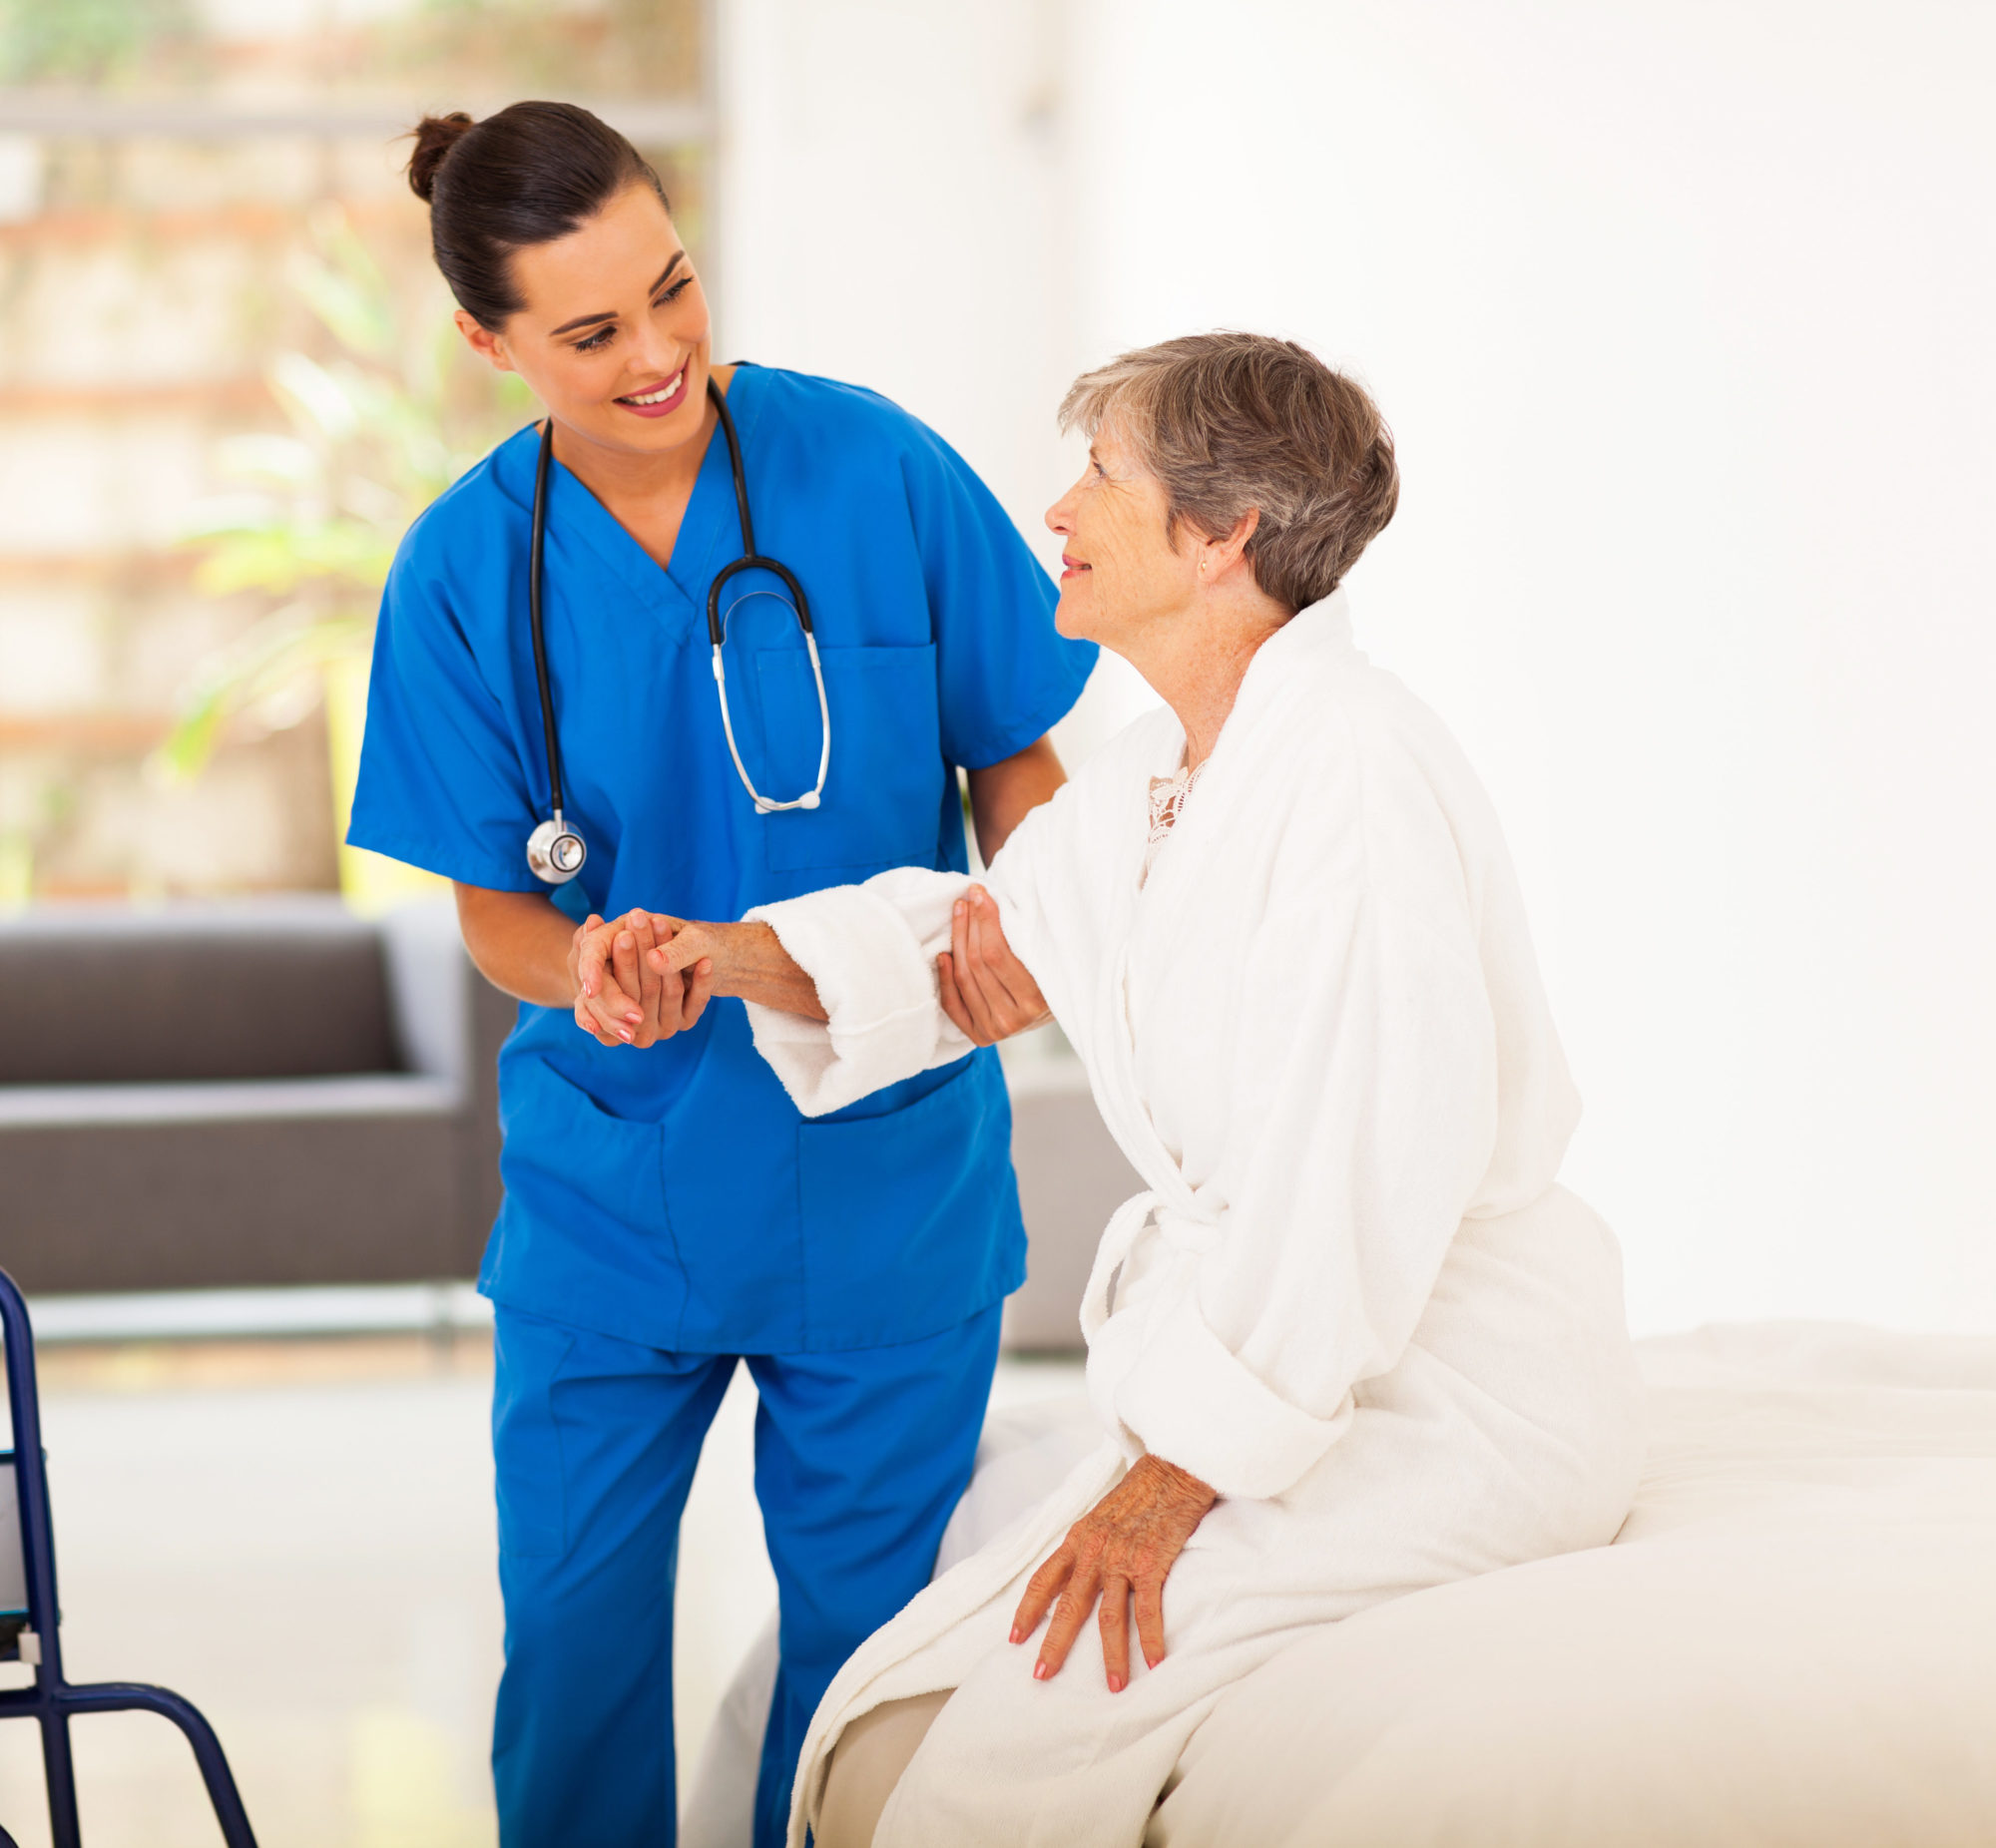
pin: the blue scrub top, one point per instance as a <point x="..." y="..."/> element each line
<point x="675" y="1196"/>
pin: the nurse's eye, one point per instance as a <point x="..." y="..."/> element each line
<point x="673" y="295"/>
<point x="600" y="337"/>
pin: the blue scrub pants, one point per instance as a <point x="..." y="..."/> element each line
<point x="859" y="1460"/>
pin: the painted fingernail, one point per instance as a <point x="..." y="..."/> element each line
<point x="956" y="910"/>
<point x="1017" y="1636"/>
<point x="1039" y="1671"/>
<point x="1151" y="1662"/>
<point x="625" y="940"/>
<point x="1115" y="1683"/>
<point x="624" y="1034"/>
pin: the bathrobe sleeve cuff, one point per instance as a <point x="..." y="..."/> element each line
<point x="878" y="986"/>
<point x="1191" y="1401"/>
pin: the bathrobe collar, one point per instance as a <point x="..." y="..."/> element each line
<point x="1291" y="666"/>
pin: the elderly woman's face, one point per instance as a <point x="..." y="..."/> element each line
<point x="1119" y="572"/>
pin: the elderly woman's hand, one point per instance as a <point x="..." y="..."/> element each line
<point x="1122" y="1549"/>
<point x="987" y="991"/>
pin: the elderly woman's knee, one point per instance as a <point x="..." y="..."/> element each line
<point x="867" y="1763"/>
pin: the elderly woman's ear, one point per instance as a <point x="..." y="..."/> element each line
<point x="1216" y="557"/>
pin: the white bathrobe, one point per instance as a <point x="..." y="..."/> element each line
<point x="1353" y="1298"/>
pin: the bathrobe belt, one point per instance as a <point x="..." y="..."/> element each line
<point x="1184" y="1236"/>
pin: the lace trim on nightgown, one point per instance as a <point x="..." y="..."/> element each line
<point x="1168" y="800"/>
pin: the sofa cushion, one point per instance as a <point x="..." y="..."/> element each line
<point x="93" y="996"/>
<point x="202" y="1187"/>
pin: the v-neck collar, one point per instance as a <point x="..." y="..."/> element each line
<point x="1287" y="666"/>
<point x="710" y="530"/>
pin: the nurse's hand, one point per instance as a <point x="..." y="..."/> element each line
<point x="987" y="991"/>
<point x="622" y="996"/>
<point x="1122" y="1549"/>
<point x="609" y="1011"/>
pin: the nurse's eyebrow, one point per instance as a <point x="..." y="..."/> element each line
<point x="610" y="315"/>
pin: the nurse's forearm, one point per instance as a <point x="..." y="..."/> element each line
<point x="1002" y="795"/>
<point x="520" y="943"/>
<point x="751" y="964"/>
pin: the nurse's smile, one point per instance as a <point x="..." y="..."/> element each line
<point x="658" y="400"/>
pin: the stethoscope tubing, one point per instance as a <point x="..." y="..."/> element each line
<point x="555" y="851"/>
<point x="535" y="557"/>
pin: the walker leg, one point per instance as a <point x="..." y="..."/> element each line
<point x="65" y="1831"/>
<point x="125" y="1697"/>
<point x="214" y="1772"/>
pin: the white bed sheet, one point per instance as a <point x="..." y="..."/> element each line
<point x="1791" y="1643"/>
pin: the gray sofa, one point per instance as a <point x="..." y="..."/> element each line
<point x="1072" y="1177"/>
<point x="278" y="1092"/>
<point x="264" y="1093"/>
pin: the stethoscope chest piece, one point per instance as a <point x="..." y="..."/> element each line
<point x="555" y="851"/>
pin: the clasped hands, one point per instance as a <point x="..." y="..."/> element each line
<point x="647" y="975"/>
<point x="629" y="991"/>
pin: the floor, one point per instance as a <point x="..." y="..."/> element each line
<point x="298" y="1535"/>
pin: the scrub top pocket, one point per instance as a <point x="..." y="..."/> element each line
<point x="884" y="789"/>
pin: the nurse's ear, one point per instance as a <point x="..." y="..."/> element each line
<point x="489" y="347"/>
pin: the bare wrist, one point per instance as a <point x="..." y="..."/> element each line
<point x="726" y="947"/>
<point x="1181" y="1482"/>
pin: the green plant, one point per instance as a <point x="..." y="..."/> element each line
<point x="315" y="515"/>
<point x="92" y="41"/>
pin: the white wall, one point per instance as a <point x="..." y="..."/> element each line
<point x="889" y="173"/>
<point x="1681" y="315"/>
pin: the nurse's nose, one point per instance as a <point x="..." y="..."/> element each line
<point x="659" y="355"/>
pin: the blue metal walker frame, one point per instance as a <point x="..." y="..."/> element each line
<point x="52" y="1699"/>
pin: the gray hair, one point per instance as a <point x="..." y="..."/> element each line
<point x="1234" y="421"/>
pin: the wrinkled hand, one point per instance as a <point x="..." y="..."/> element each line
<point x="624" y="994"/>
<point x="1122" y="1549"/>
<point x="683" y="944"/>
<point x="986" y="990"/>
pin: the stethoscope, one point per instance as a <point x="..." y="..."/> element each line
<point x="554" y="850"/>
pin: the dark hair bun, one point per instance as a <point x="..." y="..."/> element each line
<point x="436" y="136"/>
<point x="530" y="173"/>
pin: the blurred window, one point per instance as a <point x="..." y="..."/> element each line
<point x="227" y="381"/>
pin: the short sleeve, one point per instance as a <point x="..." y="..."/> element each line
<point x="441" y="783"/>
<point x="1004" y="674"/>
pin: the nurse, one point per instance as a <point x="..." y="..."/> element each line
<point x="668" y="1211"/>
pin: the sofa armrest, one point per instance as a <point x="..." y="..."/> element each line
<point x="429" y="990"/>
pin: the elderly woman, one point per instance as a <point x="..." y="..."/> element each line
<point x="1353" y="1339"/>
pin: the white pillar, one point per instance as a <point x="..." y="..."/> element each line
<point x="888" y="214"/>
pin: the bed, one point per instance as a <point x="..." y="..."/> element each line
<point x="1792" y="1642"/>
